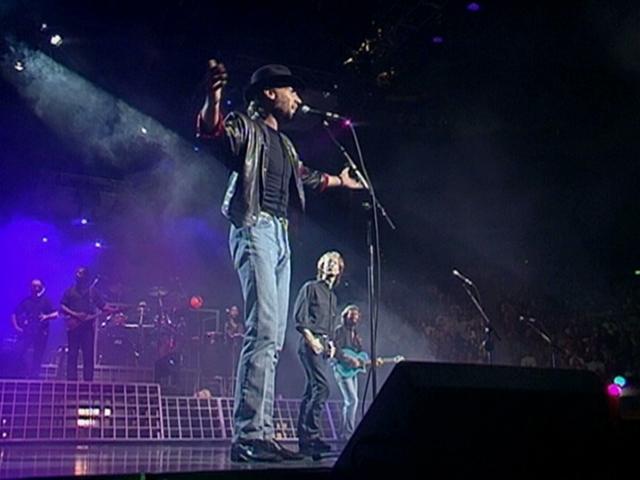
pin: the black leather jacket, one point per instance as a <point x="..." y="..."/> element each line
<point x="241" y="143"/>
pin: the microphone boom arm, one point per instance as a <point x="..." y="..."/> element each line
<point x="359" y="176"/>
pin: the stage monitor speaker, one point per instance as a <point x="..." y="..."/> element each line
<point x="487" y="421"/>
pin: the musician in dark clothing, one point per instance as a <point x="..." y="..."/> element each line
<point x="346" y="337"/>
<point x="233" y="326"/>
<point x="82" y="304"/>
<point x="31" y="321"/>
<point x="315" y="310"/>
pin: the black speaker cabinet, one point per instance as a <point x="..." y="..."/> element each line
<point x="484" y="421"/>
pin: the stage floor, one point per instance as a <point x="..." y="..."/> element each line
<point x="39" y="460"/>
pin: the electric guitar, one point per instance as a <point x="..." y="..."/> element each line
<point x="31" y="323"/>
<point x="74" y="322"/>
<point x="346" y="370"/>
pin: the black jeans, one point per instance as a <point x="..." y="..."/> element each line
<point x="316" y="393"/>
<point x="37" y="339"/>
<point x="80" y="338"/>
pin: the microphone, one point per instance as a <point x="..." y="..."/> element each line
<point x="307" y="110"/>
<point x="456" y="273"/>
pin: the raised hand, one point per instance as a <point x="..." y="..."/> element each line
<point x="217" y="78"/>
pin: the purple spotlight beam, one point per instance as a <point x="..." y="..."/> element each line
<point x="473" y="7"/>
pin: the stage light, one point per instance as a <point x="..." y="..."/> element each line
<point x="614" y="390"/>
<point x="385" y="78"/>
<point x="473" y="7"/>
<point x="437" y="39"/>
<point x="84" y="221"/>
<point x="19" y="66"/>
<point x="347" y="123"/>
<point x="196" y="302"/>
<point x="55" y="40"/>
<point x="229" y="103"/>
<point x="43" y="27"/>
<point x="195" y="148"/>
<point x="45" y="239"/>
<point x="88" y="422"/>
<point x="98" y="244"/>
<point x="88" y="412"/>
<point x="620" y="381"/>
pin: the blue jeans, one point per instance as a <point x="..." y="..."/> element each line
<point x="261" y="256"/>
<point x="349" y="390"/>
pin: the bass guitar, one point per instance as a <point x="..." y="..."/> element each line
<point x="346" y="370"/>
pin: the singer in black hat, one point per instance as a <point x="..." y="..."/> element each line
<point x="267" y="176"/>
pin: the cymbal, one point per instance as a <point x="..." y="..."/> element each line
<point x="158" y="292"/>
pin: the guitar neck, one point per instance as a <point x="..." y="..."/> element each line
<point x="386" y="360"/>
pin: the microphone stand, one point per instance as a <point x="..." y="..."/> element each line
<point x="373" y="244"/>
<point x="542" y="333"/>
<point x="488" y="328"/>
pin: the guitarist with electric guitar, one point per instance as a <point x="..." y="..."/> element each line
<point x="349" y="361"/>
<point x="315" y="310"/>
<point x="81" y="305"/>
<point x="31" y="322"/>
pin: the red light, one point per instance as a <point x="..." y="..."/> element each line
<point x="196" y="302"/>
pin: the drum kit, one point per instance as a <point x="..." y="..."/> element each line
<point x="148" y="333"/>
<point x="166" y="333"/>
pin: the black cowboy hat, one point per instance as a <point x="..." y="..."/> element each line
<point x="269" y="76"/>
